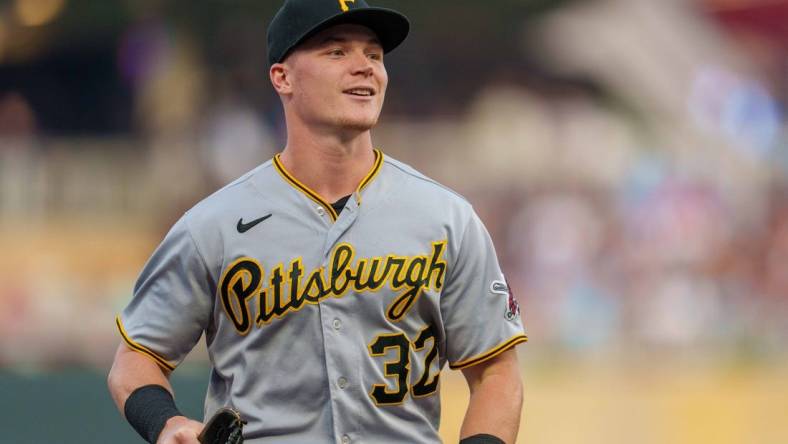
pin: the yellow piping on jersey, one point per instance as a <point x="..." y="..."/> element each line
<point x="511" y="342"/>
<point x="371" y="175"/>
<point x="141" y="348"/>
<point x="280" y="168"/>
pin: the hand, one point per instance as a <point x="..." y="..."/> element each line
<point x="180" y="430"/>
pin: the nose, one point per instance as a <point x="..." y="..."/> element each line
<point x="362" y="65"/>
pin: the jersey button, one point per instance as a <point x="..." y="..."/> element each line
<point x="320" y="211"/>
<point x="345" y="439"/>
<point x="342" y="382"/>
<point x="337" y="324"/>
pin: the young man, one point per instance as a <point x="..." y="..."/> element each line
<point x="333" y="283"/>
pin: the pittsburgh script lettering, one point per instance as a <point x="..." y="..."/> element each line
<point x="288" y="289"/>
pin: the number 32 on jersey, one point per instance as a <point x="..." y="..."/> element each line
<point x="398" y="370"/>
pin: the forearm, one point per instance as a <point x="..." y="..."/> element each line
<point x="152" y="414"/>
<point x="496" y="401"/>
<point x="130" y="371"/>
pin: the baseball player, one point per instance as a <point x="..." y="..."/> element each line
<point x="332" y="283"/>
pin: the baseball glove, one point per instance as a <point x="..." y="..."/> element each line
<point x="225" y="427"/>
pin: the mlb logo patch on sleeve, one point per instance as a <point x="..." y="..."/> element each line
<point x="512" y="307"/>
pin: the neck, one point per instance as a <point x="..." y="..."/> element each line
<point x="330" y="163"/>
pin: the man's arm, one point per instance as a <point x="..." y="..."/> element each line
<point x="132" y="370"/>
<point x="496" y="398"/>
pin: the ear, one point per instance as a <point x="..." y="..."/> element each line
<point x="280" y="78"/>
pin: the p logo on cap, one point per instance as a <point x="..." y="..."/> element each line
<point x="344" y="6"/>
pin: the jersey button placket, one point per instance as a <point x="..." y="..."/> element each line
<point x="338" y="365"/>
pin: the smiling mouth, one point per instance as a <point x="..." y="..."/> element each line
<point x="360" y="92"/>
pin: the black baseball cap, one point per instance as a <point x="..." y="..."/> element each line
<point x="297" y="20"/>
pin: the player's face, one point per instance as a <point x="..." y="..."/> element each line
<point x="338" y="78"/>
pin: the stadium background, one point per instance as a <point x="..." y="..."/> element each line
<point x="630" y="158"/>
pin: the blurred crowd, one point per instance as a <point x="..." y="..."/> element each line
<point x="665" y="268"/>
<point x="637" y="203"/>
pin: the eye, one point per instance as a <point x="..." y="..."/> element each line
<point x="375" y="56"/>
<point x="336" y="52"/>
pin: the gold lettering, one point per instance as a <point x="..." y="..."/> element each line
<point x="294" y="279"/>
<point x="372" y="281"/>
<point x="403" y="303"/>
<point x="416" y="270"/>
<point x="315" y="288"/>
<point x="240" y="282"/>
<point x="264" y="314"/>
<point x="280" y="306"/>
<point x="437" y="265"/>
<point x="286" y="292"/>
<point x="340" y="260"/>
<point x="344" y="6"/>
<point x="395" y="266"/>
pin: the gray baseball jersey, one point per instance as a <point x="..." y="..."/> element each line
<point x="325" y="327"/>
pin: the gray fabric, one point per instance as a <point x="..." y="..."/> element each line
<point x="308" y="373"/>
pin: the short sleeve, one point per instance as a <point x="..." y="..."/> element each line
<point x="481" y="317"/>
<point x="172" y="302"/>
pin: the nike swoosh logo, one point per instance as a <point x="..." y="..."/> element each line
<point x="244" y="227"/>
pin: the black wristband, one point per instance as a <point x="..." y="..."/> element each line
<point x="482" y="439"/>
<point x="147" y="410"/>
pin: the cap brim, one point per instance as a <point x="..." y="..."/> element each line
<point x="390" y="26"/>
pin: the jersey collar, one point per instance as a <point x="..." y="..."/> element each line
<point x="289" y="178"/>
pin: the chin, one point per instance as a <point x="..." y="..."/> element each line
<point x="358" y="124"/>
